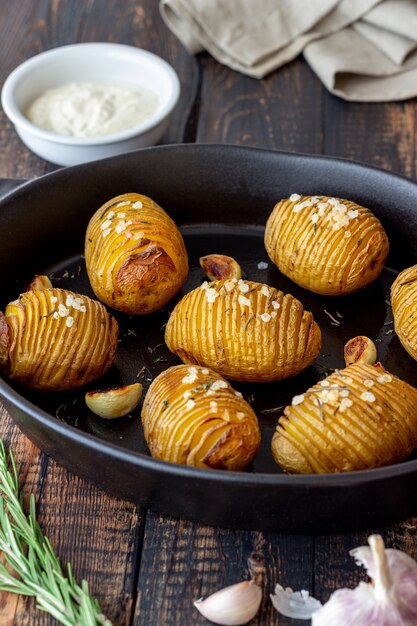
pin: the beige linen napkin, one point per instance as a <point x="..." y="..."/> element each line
<point x="360" y="49"/>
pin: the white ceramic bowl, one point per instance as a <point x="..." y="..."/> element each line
<point x="104" y="62"/>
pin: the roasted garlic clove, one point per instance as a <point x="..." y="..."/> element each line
<point x="114" y="402"/>
<point x="244" y="330"/>
<point x="357" y="418"/>
<point x="56" y="339"/>
<point x="192" y="416"/>
<point x="404" y="308"/>
<point x="135" y="255"/>
<point x="220" y="266"/>
<point x="40" y="282"/>
<point x="328" y="245"/>
<point x="360" y="349"/>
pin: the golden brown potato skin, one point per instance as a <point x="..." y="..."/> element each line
<point x="135" y="255"/>
<point x="52" y="346"/>
<point x="363" y="418"/>
<point x="404" y="308"/>
<point x="329" y="246"/>
<point x="192" y="416"/>
<point x="244" y="330"/>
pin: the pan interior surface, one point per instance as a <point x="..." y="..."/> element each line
<point x="220" y="197"/>
<point x="142" y="353"/>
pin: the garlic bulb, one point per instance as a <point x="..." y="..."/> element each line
<point x="391" y="598"/>
<point x="232" y="606"/>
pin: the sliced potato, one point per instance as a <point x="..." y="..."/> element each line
<point x="54" y="339"/>
<point x="114" y="402"/>
<point x="135" y="255"/>
<point x="357" y="418"/>
<point x="244" y="330"/>
<point x="220" y="266"/>
<point x="192" y="416"/>
<point x="328" y="245"/>
<point x="404" y="308"/>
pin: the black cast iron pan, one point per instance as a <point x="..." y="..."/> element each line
<point x="221" y="197"/>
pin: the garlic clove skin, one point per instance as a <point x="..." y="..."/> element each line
<point x="360" y="349"/>
<point x="114" y="402"/>
<point x="391" y="598"/>
<point x="294" y="604"/>
<point x="232" y="606"/>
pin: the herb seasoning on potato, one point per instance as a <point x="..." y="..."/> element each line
<point x="327" y="245"/>
<point x="54" y="339"/>
<point x="135" y="255"/>
<point x="192" y="416"/>
<point x="244" y="330"/>
<point x="358" y="418"/>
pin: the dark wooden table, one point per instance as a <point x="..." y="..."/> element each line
<point x="146" y="568"/>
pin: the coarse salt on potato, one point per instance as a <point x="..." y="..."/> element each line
<point x="192" y="416"/>
<point x="328" y="245"/>
<point x="135" y="254"/>
<point x="244" y="330"/>
<point x="358" y="418"/>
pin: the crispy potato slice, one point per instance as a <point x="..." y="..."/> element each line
<point x="357" y="418"/>
<point x="244" y="330"/>
<point x="135" y="255"/>
<point x="192" y="416"/>
<point x="328" y="245"/>
<point x="57" y="339"/>
<point x="404" y="308"/>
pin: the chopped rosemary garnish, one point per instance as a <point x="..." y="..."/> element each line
<point x="335" y="322"/>
<point x="274" y="410"/>
<point x="160" y="359"/>
<point x="48" y="314"/>
<point x="32" y="568"/>
<point x="408" y="282"/>
<point x="165" y="403"/>
<point x="320" y="409"/>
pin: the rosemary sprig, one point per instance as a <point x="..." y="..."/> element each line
<point x="34" y="568"/>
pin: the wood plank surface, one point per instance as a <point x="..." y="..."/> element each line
<point x="147" y="569"/>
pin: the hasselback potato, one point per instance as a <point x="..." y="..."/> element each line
<point x="54" y="339"/>
<point x="404" y="308"/>
<point x="244" y="330"/>
<point x="192" y="416"/>
<point x="358" y="418"/>
<point x="328" y="245"/>
<point x="135" y="255"/>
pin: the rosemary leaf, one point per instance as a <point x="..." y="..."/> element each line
<point x="36" y="569"/>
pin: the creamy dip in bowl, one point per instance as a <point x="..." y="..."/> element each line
<point x="107" y="99"/>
